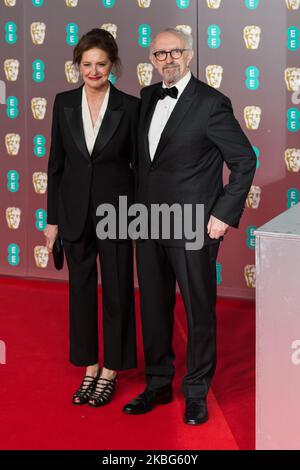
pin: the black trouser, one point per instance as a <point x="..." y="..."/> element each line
<point x="116" y="266"/>
<point x="195" y="271"/>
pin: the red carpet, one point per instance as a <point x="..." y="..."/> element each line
<point x="37" y="382"/>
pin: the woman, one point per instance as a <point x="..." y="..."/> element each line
<point x="90" y="162"/>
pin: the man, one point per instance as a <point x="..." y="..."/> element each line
<point x="184" y="140"/>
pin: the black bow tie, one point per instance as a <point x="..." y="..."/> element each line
<point x="163" y="92"/>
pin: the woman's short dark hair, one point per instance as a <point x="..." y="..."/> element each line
<point x="101" y="39"/>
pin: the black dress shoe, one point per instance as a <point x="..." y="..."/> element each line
<point x="195" y="411"/>
<point x="147" y="400"/>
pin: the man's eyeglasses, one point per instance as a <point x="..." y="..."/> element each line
<point x="174" y="53"/>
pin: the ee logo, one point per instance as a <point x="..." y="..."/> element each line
<point x="108" y="3"/>
<point x="251" y="237"/>
<point x="37" y="3"/>
<point x="12" y="107"/>
<point x="252" y="4"/>
<point x="144" y="35"/>
<point x="293" y="38"/>
<point x="219" y="270"/>
<point x="183" y="4"/>
<point x="40" y="219"/>
<point x="293" y="196"/>
<point x="293" y="120"/>
<point x="11" y="32"/>
<point x="39" y="142"/>
<point x="13" y="181"/>
<point x="252" y="78"/>
<point x="72" y="34"/>
<point x="38" y="68"/>
<point x="13" y="254"/>
<point x="214" y="40"/>
<point x="257" y="153"/>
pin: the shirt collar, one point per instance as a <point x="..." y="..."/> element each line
<point x="86" y="110"/>
<point x="182" y="83"/>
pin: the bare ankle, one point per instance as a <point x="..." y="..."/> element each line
<point x="92" y="370"/>
<point x="108" y="373"/>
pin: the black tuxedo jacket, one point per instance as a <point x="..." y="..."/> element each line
<point x="200" y="135"/>
<point x="75" y="176"/>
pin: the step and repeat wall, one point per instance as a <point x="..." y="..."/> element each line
<point x="248" y="49"/>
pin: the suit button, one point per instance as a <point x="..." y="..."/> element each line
<point x="89" y="165"/>
<point x="151" y="168"/>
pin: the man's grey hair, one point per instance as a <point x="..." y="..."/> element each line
<point x="187" y="38"/>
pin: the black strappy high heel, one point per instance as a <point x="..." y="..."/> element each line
<point x="103" y="392"/>
<point x="82" y="395"/>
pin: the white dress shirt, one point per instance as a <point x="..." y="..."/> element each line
<point x="90" y="131"/>
<point x="162" y="113"/>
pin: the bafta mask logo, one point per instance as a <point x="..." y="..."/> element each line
<point x="39" y="180"/>
<point x="252" y="116"/>
<point x="13" y="217"/>
<point x="71" y="3"/>
<point x="38" y="31"/>
<point x="292" y="160"/>
<point x="252" y="36"/>
<point x="213" y="4"/>
<point x="10" y="3"/>
<point x="38" y="107"/>
<point x="11" y="69"/>
<point x="253" y="198"/>
<point x="250" y="275"/>
<point x="12" y="143"/>
<point x="144" y="73"/>
<point x="144" y="3"/>
<point x="72" y="72"/>
<point x="292" y="78"/>
<point x="185" y="28"/>
<point x="214" y="74"/>
<point x="293" y="4"/>
<point x="111" y="28"/>
<point x="41" y="256"/>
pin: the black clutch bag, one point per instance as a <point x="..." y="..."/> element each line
<point x="58" y="253"/>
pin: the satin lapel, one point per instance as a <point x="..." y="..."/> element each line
<point x="146" y="121"/>
<point x="74" y="119"/>
<point x="110" y="123"/>
<point x="184" y="103"/>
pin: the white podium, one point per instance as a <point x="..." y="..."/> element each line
<point x="278" y="332"/>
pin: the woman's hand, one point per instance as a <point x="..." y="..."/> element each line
<point x="50" y="233"/>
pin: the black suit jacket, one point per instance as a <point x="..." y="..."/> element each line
<point x="73" y="175"/>
<point x="200" y="135"/>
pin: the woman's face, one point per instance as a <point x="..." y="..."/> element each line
<point x="95" y="68"/>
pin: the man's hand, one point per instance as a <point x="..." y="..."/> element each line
<point x="50" y="233"/>
<point x="216" y="228"/>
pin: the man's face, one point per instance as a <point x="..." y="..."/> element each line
<point x="38" y="32"/>
<point x="145" y="74"/>
<point x="41" y="256"/>
<point x="254" y="197"/>
<point x="12" y="142"/>
<point x="250" y="275"/>
<point x="72" y="72"/>
<point x="292" y="158"/>
<point x="171" y="70"/>
<point x="294" y="79"/>
<point x="252" y="35"/>
<point x="38" y="106"/>
<point x="71" y="3"/>
<point x="13" y="217"/>
<point x="11" y="67"/>
<point x="144" y="3"/>
<point x="293" y="4"/>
